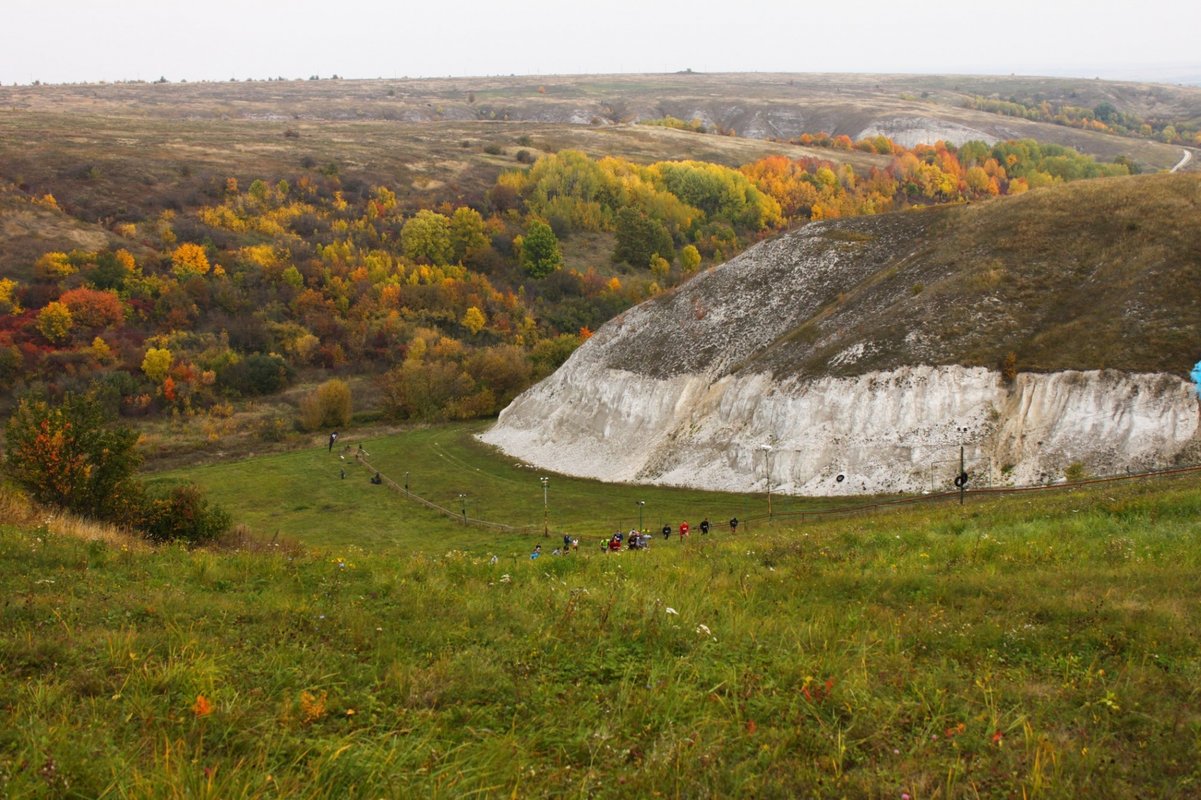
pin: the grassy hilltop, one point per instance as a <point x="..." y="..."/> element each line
<point x="1038" y="646"/>
<point x="1097" y="274"/>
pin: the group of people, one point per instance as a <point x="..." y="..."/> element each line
<point x="634" y="540"/>
<point x="640" y="540"/>
<point x="569" y="544"/>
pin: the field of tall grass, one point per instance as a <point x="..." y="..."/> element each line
<point x="1022" y="647"/>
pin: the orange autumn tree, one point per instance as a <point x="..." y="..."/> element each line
<point x="94" y="309"/>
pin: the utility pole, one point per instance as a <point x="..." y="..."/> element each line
<point x="641" y="504"/>
<point x="545" y="507"/>
<point x="960" y="480"/>
<point x="767" y="451"/>
<point x="463" y="506"/>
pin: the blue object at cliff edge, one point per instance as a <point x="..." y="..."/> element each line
<point x="1196" y="373"/>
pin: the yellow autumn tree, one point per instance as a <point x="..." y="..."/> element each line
<point x="157" y="363"/>
<point x="125" y="259"/>
<point x="474" y="320"/>
<point x="328" y="406"/>
<point x="189" y="259"/>
<point x="690" y="258"/>
<point x="55" y="322"/>
<point x="8" y="300"/>
<point x="262" y="256"/>
<point x="101" y="351"/>
<point x="53" y="266"/>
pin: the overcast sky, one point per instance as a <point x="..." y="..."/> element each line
<point x="93" y="40"/>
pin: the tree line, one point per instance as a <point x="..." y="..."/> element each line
<point x="453" y="309"/>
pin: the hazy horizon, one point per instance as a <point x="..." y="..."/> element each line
<point x="80" y="41"/>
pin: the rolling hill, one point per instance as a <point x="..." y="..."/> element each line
<point x="119" y="152"/>
<point x="753" y="105"/>
<point x="1044" y="333"/>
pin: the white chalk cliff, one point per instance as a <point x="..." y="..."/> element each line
<point x="897" y="431"/>
<point x="715" y="386"/>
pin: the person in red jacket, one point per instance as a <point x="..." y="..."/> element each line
<point x="684" y="529"/>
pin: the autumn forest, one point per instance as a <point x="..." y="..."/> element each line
<point x="453" y="309"/>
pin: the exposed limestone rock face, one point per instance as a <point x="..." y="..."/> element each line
<point x="898" y="431"/>
<point x="774" y="367"/>
<point x="912" y="131"/>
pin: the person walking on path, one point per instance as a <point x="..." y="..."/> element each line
<point x="734" y="525"/>
<point x="333" y="437"/>
<point x="684" y="529"/>
<point x="666" y="531"/>
<point x="704" y="526"/>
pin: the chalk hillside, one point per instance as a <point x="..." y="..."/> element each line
<point x="1049" y="334"/>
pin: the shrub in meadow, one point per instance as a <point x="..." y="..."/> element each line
<point x="184" y="514"/>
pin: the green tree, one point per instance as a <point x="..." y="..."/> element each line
<point x="73" y="455"/>
<point x="540" y="254"/>
<point x="549" y="354"/>
<point x="720" y="192"/>
<point x="503" y="369"/>
<point x="292" y="277"/>
<point x="1105" y="112"/>
<point x="639" y="238"/>
<point x="258" y="190"/>
<point x="466" y="233"/>
<point x="256" y="374"/>
<point x="426" y="238"/>
<point x="425" y="390"/>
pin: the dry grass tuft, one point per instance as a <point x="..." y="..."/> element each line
<point x="17" y="509"/>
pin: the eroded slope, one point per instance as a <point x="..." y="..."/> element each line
<point x="870" y="348"/>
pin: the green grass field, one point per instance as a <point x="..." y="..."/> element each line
<point x="1023" y="647"/>
<point x="302" y="496"/>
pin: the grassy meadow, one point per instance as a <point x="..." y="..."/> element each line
<point x="1031" y="646"/>
<point x="302" y="495"/>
